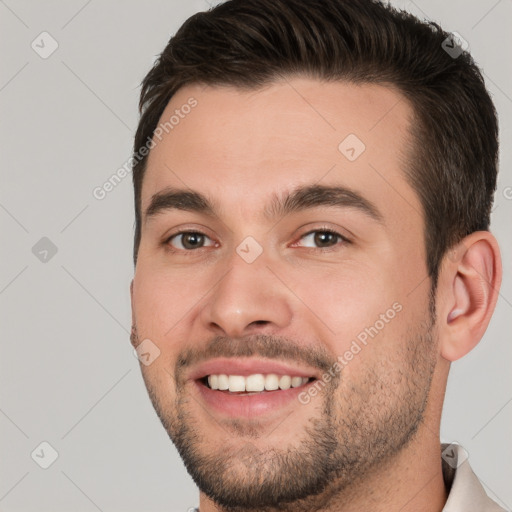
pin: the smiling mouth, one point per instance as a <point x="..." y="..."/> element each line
<point x="253" y="384"/>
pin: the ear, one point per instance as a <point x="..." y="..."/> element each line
<point x="468" y="290"/>
<point x="133" y="335"/>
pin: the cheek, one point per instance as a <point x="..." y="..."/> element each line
<point x="163" y="297"/>
<point x="156" y="310"/>
<point x="346" y="301"/>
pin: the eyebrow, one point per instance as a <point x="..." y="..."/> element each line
<point x="313" y="196"/>
<point x="301" y="198"/>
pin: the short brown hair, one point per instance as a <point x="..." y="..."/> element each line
<point x="250" y="43"/>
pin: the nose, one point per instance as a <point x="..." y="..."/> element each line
<point x="249" y="299"/>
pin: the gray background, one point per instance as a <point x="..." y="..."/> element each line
<point x="68" y="374"/>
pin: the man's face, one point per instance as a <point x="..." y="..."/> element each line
<point x="331" y="281"/>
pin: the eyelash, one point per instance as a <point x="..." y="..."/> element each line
<point x="341" y="238"/>
<point x="189" y="252"/>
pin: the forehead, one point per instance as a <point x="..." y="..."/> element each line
<point x="241" y="146"/>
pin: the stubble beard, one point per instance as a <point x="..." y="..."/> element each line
<point x="359" y="426"/>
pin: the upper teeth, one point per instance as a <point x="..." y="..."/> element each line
<point x="256" y="382"/>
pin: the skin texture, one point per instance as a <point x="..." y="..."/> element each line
<point x="369" y="439"/>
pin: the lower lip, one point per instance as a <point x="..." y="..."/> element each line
<point x="236" y="405"/>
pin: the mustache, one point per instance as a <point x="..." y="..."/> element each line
<point x="265" y="346"/>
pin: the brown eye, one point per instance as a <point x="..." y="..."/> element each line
<point x="321" y="239"/>
<point x="189" y="240"/>
<point x="325" y="238"/>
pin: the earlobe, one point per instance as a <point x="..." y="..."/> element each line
<point x="472" y="282"/>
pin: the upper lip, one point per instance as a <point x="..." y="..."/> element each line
<point x="249" y="366"/>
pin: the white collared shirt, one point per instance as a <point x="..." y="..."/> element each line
<point x="466" y="493"/>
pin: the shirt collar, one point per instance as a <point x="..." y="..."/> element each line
<point x="466" y="493"/>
